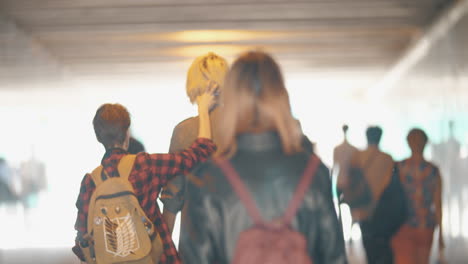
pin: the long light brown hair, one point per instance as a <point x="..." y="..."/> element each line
<point x="255" y="100"/>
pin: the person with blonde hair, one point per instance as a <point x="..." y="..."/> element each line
<point x="206" y="72"/>
<point x="263" y="142"/>
<point x="209" y="68"/>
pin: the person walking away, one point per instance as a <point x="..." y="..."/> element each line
<point x="206" y="71"/>
<point x="375" y="168"/>
<point x="423" y="186"/>
<point x="261" y="146"/>
<point x="118" y="218"/>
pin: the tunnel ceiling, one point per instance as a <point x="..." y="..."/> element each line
<point x="92" y="37"/>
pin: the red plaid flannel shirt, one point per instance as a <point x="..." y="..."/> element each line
<point x="150" y="173"/>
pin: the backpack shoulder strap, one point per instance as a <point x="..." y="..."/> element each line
<point x="97" y="179"/>
<point x="96" y="175"/>
<point x="302" y="188"/>
<point x="125" y="166"/>
<point x="240" y="189"/>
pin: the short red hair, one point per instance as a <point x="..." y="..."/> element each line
<point x="111" y="124"/>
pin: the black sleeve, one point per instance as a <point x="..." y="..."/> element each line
<point x="328" y="236"/>
<point x="201" y="224"/>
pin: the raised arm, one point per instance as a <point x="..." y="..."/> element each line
<point x="205" y="102"/>
<point x="166" y="166"/>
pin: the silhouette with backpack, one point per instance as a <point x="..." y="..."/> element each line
<point x="376" y="198"/>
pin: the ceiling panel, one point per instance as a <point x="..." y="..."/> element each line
<point x="305" y="35"/>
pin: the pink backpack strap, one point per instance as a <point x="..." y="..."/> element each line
<point x="240" y="188"/>
<point x="301" y="189"/>
<point x="244" y="195"/>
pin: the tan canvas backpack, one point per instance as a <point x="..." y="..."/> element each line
<point x="118" y="229"/>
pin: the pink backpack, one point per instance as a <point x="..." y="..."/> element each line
<point x="271" y="242"/>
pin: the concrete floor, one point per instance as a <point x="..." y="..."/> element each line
<point x="457" y="253"/>
<point x="39" y="236"/>
<point x="38" y="256"/>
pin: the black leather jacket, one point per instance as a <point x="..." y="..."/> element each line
<point x="214" y="216"/>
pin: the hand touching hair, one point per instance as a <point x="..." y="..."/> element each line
<point x="204" y="71"/>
